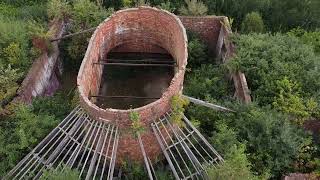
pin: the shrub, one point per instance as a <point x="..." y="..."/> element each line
<point x="8" y="83"/>
<point x="193" y="8"/>
<point x="208" y="82"/>
<point x="58" y="105"/>
<point x="252" y="23"/>
<point x="272" y="142"/>
<point x="136" y="124"/>
<point x="311" y="38"/>
<point x="197" y="52"/>
<point x="21" y="132"/>
<point x="58" y="9"/>
<point x="14" y="39"/>
<point x="61" y="173"/>
<point x="177" y="104"/>
<point x="85" y="14"/>
<point x="266" y="58"/>
<point x="235" y="167"/>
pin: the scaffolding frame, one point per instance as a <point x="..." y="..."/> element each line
<point x="78" y="142"/>
<point x="187" y="152"/>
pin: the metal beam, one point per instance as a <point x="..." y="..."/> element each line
<point x="135" y="64"/>
<point x="207" y="104"/>
<point x="122" y="97"/>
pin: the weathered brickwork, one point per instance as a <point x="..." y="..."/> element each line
<point x="207" y="27"/>
<point x="142" y="29"/>
<point x="42" y="77"/>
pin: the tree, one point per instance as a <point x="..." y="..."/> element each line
<point x="252" y="23"/>
<point x="193" y="8"/>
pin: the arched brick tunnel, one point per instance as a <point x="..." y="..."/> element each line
<point x="140" y="30"/>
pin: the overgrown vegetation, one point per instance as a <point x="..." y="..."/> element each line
<point x="263" y="140"/>
<point x="136" y="124"/>
<point x="61" y="173"/>
<point x="177" y="104"/>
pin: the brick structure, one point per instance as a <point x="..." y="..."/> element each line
<point x="42" y="76"/>
<point x="142" y="29"/>
<point x="215" y="31"/>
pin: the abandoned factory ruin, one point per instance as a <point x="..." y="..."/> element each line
<point x="133" y="68"/>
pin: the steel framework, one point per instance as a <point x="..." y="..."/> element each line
<point x="188" y="153"/>
<point x="90" y="146"/>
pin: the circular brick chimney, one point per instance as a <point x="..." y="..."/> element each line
<point x="142" y="29"/>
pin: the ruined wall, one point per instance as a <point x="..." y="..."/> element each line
<point x="42" y="78"/>
<point x="207" y="27"/>
<point x="215" y="31"/>
<point x="142" y="27"/>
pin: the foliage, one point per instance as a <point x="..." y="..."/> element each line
<point x="252" y="23"/>
<point x="127" y="3"/>
<point x="277" y="15"/>
<point x="25" y="12"/>
<point x="177" y="104"/>
<point x="14" y="43"/>
<point x="40" y="36"/>
<point x="208" y="82"/>
<point x="133" y="171"/>
<point x="272" y="143"/>
<point x="20" y="132"/>
<point x="289" y="100"/>
<point x="58" y="105"/>
<point x="136" y="124"/>
<point x="311" y="38"/>
<point x="61" y="173"/>
<point x="197" y="50"/>
<point x="267" y="59"/>
<point x="8" y="83"/>
<point x="167" y="6"/>
<point x="85" y="14"/>
<point x="224" y="139"/>
<point x="235" y="167"/>
<point x="58" y="9"/>
<point x="193" y="8"/>
<point x="140" y="3"/>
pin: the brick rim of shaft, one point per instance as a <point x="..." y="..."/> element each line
<point x="118" y="116"/>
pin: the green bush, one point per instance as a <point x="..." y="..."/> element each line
<point x="198" y="52"/>
<point x="235" y="167"/>
<point x="311" y="38"/>
<point x="14" y="43"/>
<point x="21" y="132"/>
<point x="58" y="9"/>
<point x="207" y="82"/>
<point x="272" y="143"/>
<point x="267" y="59"/>
<point x="252" y="23"/>
<point x="58" y="105"/>
<point x="8" y="83"/>
<point x="85" y="14"/>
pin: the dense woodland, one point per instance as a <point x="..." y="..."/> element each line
<point x="277" y="47"/>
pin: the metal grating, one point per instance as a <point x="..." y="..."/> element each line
<point x="186" y="150"/>
<point x="79" y="142"/>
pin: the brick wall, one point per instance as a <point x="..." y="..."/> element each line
<point x="207" y="27"/>
<point x="144" y="29"/>
<point x="41" y="78"/>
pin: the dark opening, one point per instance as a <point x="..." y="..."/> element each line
<point x="132" y="80"/>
